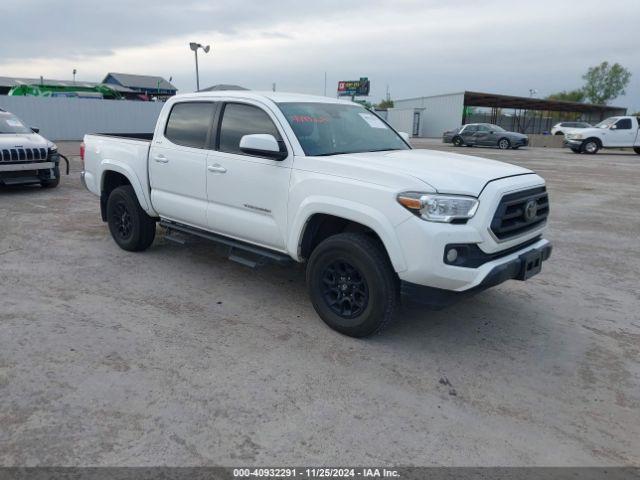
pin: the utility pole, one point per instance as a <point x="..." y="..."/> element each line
<point x="325" y="84"/>
<point x="74" y="76"/>
<point x="195" y="46"/>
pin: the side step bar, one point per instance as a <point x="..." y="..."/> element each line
<point x="241" y="252"/>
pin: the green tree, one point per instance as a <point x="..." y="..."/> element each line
<point x="605" y="82"/>
<point x="384" y="104"/>
<point x="577" y="95"/>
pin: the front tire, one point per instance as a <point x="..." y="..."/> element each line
<point x="52" y="182"/>
<point x="504" y="144"/>
<point x="637" y="150"/>
<point x="457" y="142"/>
<point x="352" y="285"/>
<point x="590" y="146"/>
<point x="130" y="226"/>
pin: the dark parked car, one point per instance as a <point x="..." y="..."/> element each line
<point x="485" y="134"/>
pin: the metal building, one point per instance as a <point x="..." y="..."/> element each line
<point x="431" y="116"/>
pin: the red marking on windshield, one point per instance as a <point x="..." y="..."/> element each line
<point x="308" y="119"/>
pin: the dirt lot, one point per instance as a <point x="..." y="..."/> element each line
<point x="177" y="356"/>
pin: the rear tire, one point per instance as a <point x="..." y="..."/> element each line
<point x="457" y="142"/>
<point x="637" y="150"/>
<point x="504" y="144"/>
<point x="352" y="285"/>
<point x="559" y="133"/>
<point x="130" y="226"/>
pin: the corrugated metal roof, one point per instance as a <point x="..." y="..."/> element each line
<point x="15" y="81"/>
<point x="149" y="82"/>
<point x="222" y="87"/>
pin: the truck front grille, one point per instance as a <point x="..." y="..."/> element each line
<point x="520" y="212"/>
<point x="23" y="154"/>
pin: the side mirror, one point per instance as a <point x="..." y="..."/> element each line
<point x="35" y="129"/>
<point x="405" y="136"/>
<point x="263" y="145"/>
<point x="614" y="127"/>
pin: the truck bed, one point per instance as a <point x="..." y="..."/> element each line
<point x="124" y="153"/>
<point x="132" y="136"/>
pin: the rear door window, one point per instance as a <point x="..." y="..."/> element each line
<point x="190" y="123"/>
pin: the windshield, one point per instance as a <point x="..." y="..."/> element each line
<point x="332" y="129"/>
<point x="9" y="123"/>
<point x="607" y="122"/>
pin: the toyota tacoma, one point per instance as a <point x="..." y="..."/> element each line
<point x="295" y="178"/>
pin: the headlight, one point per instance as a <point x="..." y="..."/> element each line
<point x="53" y="148"/>
<point x="574" y="136"/>
<point x="439" y="208"/>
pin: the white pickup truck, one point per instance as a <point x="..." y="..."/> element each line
<point x="613" y="132"/>
<point x="287" y="177"/>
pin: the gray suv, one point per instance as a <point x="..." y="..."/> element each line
<point x="486" y="134"/>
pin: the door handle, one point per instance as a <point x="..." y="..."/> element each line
<point x="161" y="159"/>
<point x="216" y="168"/>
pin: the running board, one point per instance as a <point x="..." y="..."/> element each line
<point x="238" y="251"/>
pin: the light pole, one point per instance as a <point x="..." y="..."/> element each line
<point x="74" y="76"/>
<point x="195" y="46"/>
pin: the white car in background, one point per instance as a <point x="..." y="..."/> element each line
<point x="563" y="128"/>
<point x="25" y="156"/>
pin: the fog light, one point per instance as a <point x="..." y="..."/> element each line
<point x="452" y="255"/>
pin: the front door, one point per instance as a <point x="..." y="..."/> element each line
<point x="484" y="136"/>
<point x="178" y="164"/>
<point x="623" y="135"/>
<point x="247" y="194"/>
<point x="468" y="134"/>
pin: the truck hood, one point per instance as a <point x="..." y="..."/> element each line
<point x="444" y="172"/>
<point x="23" y="140"/>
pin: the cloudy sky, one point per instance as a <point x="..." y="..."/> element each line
<point x="416" y="47"/>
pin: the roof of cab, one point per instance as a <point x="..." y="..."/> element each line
<point x="277" y="97"/>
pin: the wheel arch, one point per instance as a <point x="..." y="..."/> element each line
<point x="314" y="223"/>
<point x="114" y="176"/>
<point x="597" y="140"/>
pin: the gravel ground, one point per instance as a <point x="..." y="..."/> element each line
<point x="177" y="356"/>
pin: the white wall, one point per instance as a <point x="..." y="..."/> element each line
<point x="441" y="112"/>
<point x="71" y="118"/>
<point x="401" y="119"/>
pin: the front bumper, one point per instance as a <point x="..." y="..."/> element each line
<point x="26" y="173"/>
<point x="527" y="263"/>
<point x="520" y="142"/>
<point x="571" y="143"/>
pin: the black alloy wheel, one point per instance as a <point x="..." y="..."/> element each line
<point x="345" y="290"/>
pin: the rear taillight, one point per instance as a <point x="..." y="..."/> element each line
<point x="82" y="154"/>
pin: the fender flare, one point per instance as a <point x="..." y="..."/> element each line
<point x="125" y="170"/>
<point x="349" y="210"/>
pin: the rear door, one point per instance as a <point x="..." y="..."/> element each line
<point x="178" y="163"/>
<point x="247" y="194"/>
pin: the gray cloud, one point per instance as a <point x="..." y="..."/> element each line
<point x="417" y="47"/>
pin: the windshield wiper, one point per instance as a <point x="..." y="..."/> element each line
<point x="333" y="153"/>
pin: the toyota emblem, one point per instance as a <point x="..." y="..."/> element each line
<point x="530" y="210"/>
